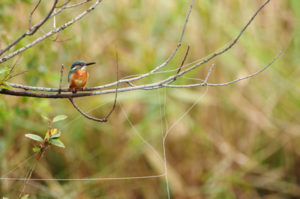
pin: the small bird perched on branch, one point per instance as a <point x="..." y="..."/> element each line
<point x="78" y="75"/>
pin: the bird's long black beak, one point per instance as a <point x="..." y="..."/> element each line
<point x="90" y="63"/>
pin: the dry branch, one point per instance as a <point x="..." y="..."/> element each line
<point x="30" y="91"/>
<point x="130" y="80"/>
<point x="43" y="37"/>
<point x="29" y="32"/>
<point x="151" y="86"/>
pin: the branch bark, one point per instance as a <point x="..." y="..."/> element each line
<point x="151" y="86"/>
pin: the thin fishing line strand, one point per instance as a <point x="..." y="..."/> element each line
<point x="166" y="169"/>
<point x="164" y="142"/>
<point x="165" y="115"/>
<point x="166" y="134"/>
<point x="162" y="102"/>
<point x="160" y="113"/>
<point x="185" y="113"/>
<point x="193" y="78"/>
<point x="85" y="179"/>
<point x="139" y="135"/>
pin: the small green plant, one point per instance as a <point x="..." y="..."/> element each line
<point x="51" y="137"/>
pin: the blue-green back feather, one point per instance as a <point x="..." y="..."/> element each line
<point x="73" y="70"/>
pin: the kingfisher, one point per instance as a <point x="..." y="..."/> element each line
<point x="78" y="75"/>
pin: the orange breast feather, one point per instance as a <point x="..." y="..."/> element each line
<point x="78" y="79"/>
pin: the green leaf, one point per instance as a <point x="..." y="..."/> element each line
<point x="36" y="149"/>
<point x="57" y="142"/>
<point x="55" y="136"/>
<point x="59" y="117"/>
<point x="34" y="137"/>
<point x="25" y="196"/>
<point x="45" y="117"/>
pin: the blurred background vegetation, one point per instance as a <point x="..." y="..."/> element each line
<point x="240" y="141"/>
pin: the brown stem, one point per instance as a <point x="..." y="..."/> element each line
<point x="182" y="63"/>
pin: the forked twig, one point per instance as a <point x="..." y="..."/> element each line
<point x="30" y="31"/>
<point x="162" y="83"/>
<point x="32" y="11"/>
<point x="226" y="83"/>
<point x="64" y="4"/>
<point x="208" y="74"/>
<point x="151" y="86"/>
<point x="113" y="107"/>
<point x="43" y="37"/>
<point x="169" y="79"/>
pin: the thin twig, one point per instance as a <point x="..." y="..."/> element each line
<point x="32" y="11"/>
<point x="210" y="57"/>
<point x="18" y="74"/>
<point x="43" y="37"/>
<point x="61" y="77"/>
<point x="151" y="86"/>
<point x="163" y="83"/>
<point x="77" y="4"/>
<point x="64" y="4"/>
<point x="182" y="63"/>
<point x="27" y="179"/>
<point x="29" y="32"/>
<point x="226" y="83"/>
<point x="9" y="75"/>
<point x="208" y="74"/>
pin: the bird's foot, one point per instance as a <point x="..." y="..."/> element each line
<point x="74" y="90"/>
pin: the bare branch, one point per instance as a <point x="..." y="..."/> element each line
<point x="156" y="85"/>
<point x="151" y="86"/>
<point x="226" y="83"/>
<point x="210" y="57"/>
<point x="32" y="11"/>
<point x="18" y="74"/>
<point x="31" y="31"/>
<point x="158" y="67"/>
<point x="86" y="115"/>
<point x="38" y="40"/>
<point x="10" y="73"/>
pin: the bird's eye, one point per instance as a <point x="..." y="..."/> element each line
<point x="81" y="64"/>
